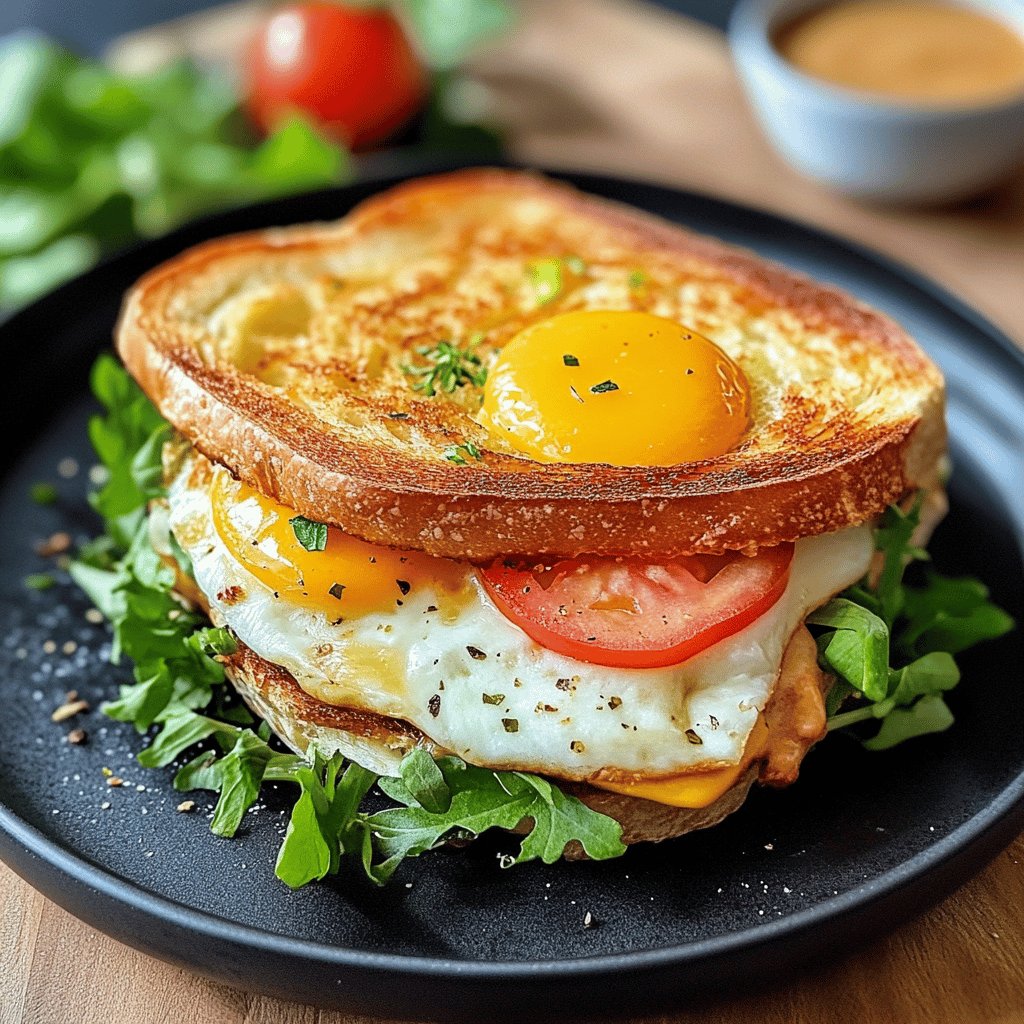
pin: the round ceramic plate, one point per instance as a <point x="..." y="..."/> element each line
<point x="858" y="844"/>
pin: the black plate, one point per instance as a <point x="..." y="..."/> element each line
<point x="860" y="843"/>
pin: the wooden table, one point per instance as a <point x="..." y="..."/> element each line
<point x="616" y="86"/>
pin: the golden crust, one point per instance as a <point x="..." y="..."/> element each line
<point x="279" y="354"/>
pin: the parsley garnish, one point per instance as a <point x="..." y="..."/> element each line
<point x="636" y="279"/>
<point x="460" y="454"/>
<point x="179" y="689"/>
<point x="447" y="367"/>
<point x="604" y="386"/>
<point x="570" y="360"/>
<point x="891" y="645"/>
<point x="309" y="533"/>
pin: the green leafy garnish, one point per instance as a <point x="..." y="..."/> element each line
<point x="179" y="693"/>
<point x="90" y="159"/>
<point x="604" y="387"/>
<point x="310" y="534"/>
<point x="448" y="30"/>
<point x="636" y="279"/>
<point x="39" y="581"/>
<point x="447" y="367"/>
<point x="460" y="454"/>
<point x="891" y="645"/>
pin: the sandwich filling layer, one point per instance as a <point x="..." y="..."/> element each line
<point x="442" y="657"/>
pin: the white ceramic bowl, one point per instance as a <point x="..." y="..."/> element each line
<point x="871" y="147"/>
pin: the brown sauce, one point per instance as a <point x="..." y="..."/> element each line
<point x="917" y="51"/>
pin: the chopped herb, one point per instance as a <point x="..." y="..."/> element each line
<point x="493" y="698"/>
<point x="398" y="415"/>
<point x="510" y="724"/>
<point x="336" y="590"/>
<point x="404" y="586"/>
<point x="604" y="386"/>
<point x="570" y="360"/>
<point x="458" y="453"/>
<point x="310" y="534"/>
<point x="475" y="653"/>
<point x="43" y="494"/>
<point x="447" y="367"/>
<point x="546" y="280"/>
<point x="39" y="581"/>
<point x="636" y="279"/>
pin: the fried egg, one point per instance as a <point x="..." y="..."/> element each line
<point x="615" y="386"/>
<point x="429" y="647"/>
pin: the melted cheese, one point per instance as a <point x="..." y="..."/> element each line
<point x="694" y="789"/>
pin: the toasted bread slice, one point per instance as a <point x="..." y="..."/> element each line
<point x="795" y="717"/>
<point x="280" y="354"/>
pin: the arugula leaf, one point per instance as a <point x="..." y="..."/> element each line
<point x="310" y="534"/>
<point x="482" y="799"/>
<point x="923" y="626"/>
<point x="927" y="715"/>
<point x="858" y="650"/>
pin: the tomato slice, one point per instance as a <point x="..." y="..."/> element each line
<point x="632" y="614"/>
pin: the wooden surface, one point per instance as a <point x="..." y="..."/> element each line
<point x="607" y="85"/>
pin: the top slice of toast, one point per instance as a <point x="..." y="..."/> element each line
<point x="280" y="354"/>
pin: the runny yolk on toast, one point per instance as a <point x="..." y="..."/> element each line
<point x="618" y="387"/>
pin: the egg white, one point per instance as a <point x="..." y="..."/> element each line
<point x="478" y="686"/>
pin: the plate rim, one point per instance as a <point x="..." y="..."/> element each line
<point x="975" y="841"/>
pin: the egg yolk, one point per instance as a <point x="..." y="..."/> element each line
<point x="619" y="387"/>
<point x="348" y="577"/>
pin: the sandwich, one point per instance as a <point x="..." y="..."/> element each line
<point x="530" y="508"/>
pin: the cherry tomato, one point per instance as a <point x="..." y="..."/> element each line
<point x="351" y="69"/>
<point x="632" y="614"/>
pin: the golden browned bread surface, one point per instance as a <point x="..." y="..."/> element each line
<point x="280" y="355"/>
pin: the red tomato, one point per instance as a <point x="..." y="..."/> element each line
<point x="351" y="69"/>
<point x="632" y="614"/>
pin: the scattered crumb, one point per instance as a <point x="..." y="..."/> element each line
<point x="588" y="920"/>
<point x="186" y="806"/>
<point x="49" y="647"/>
<point x="94" y="615"/>
<point x="105" y="806"/>
<point x="769" y="846"/>
<point x="77" y="737"/>
<point x="69" y="647"/>
<point x="115" y="780"/>
<point x="106" y="771"/>
<point x="54" y="544"/>
<point x="69" y="710"/>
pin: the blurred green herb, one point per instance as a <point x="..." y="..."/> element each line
<point x="90" y="159"/>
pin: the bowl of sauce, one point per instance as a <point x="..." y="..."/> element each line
<point x="914" y="101"/>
